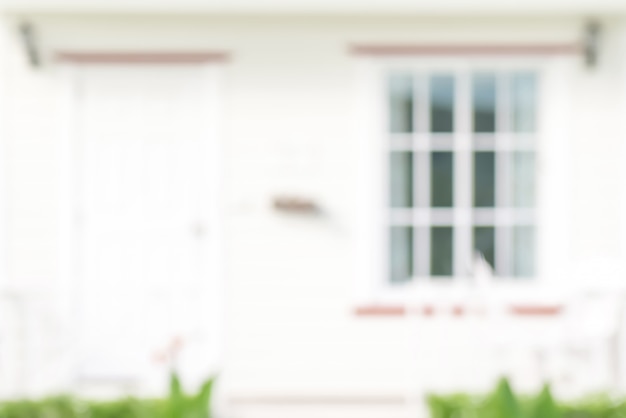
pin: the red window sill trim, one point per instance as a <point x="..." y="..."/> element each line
<point x="455" y="311"/>
<point x="564" y="48"/>
<point x="142" y="57"/>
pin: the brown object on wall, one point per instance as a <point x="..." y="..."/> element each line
<point x="293" y="204"/>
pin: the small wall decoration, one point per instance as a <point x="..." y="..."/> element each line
<point x="296" y="205"/>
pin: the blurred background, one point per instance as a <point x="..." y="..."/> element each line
<point x="312" y="208"/>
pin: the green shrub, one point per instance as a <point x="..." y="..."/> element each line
<point x="177" y="405"/>
<point x="504" y="403"/>
<point x="453" y="406"/>
<point x="61" y="407"/>
<point x="124" y="408"/>
<point x="180" y="405"/>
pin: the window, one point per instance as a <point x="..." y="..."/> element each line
<point x="461" y="173"/>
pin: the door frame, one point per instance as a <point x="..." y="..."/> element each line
<point x="70" y="67"/>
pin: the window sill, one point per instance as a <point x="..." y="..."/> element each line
<point x="459" y="310"/>
<point x="527" y="298"/>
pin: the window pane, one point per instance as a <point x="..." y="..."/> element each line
<point x="484" y="179"/>
<point x="401" y="253"/>
<point x="401" y="103"/>
<point x="441" y="238"/>
<point x="523" y="102"/>
<point x="401" y="187"/>
<point x="484" y="100"/>
<point x="523" y="190"/>
<point x="484" y="243"/>
<point x="441" y="103"/>
<point x="523" y="251"/>
<point x="442" y="174"/>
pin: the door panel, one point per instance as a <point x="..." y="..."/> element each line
<point x="144" y="200"/>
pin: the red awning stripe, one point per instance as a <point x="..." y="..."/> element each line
<point x="126" y="57"/>
<point x="466" y="49"/>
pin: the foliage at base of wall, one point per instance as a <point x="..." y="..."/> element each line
<point x="176" y="405"/>
<point x="502" y="402"/>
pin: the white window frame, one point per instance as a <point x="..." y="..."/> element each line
<point x="372" y="283"/>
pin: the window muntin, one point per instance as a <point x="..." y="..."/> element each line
<point x="462" y="172"/>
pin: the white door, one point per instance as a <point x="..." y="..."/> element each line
<point x="146" y="211"/>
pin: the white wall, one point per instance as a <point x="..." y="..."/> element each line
<point x="289" y="128"/>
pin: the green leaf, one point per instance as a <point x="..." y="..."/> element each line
<point x="202" y="399"/>
<point x="544" y="405"/>
<point x="502" y="403"/>
<point x="176" y="401"/>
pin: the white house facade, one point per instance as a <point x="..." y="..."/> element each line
<point x="336" y="207"/>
